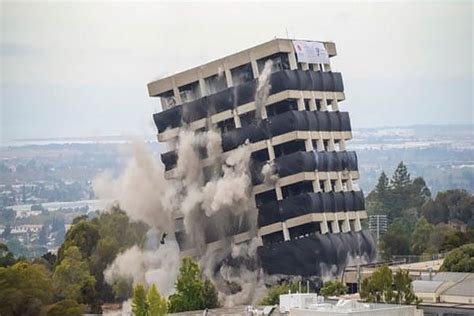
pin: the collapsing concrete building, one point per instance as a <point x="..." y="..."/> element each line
<point x="309" y="210"/>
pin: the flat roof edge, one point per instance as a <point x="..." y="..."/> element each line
<point x="159" y="86"/>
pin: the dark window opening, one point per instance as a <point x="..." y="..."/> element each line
<point x="304" y="230"/>
<point x="326" y="144"/>
<point x="260" y="156"/>
<point x="341" y="224"/>
<point x="318" y="104"/>
<point x="265" y="197"/>
<point x="329" y="103"/>
<point x="321" y="184"/>
<point x="215" y="83"/>
<point x="297" y="188"/>
<point x="247" y="118"/>
<point x="315" y="144"/>
<point x="306" y="104"/>
<point x="330" y="230"/>
<point x="282" y="107"/>
<point x="273" y="238"/>
<point x="226" y="125"/>
<point x="280" y="62"/>
<point x="190" y="92"/>
<point x="300" y="66"/>
<point x="289" y="148"/>
<point x="333" y="185"/>
<point x="167" y="99"/>
<point x="242" y="74"/>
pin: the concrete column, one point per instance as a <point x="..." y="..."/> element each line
<point x="327" y="184"/>
<point x="335" y="104"/>
<point x="271" y="151"/>
<point x="357" y="224"/>
<point x="300" y="102"/>
<point x="316" y="67"/>
<point x="316" y="185"/>
<point x="202" y="87"/>
<point x="331" y="146"/>
<point x="228" y="76"/>
<point x="304" y="66"/>
<point x="335" y="226"/>
<point x="286" y="232"/>
<point x="327" y="67"/>
<point x="308" y="145"/>
<point x="342" y="145"/>
<point x="350" y="186"/>
<point x="346" y="225"/>
<point x="237" y="122"/>
<point x="324" y="104"/>
<point x="320" y="143"/>
<point x="324" y="225"/>
<point x="338" y="182"/>
<point x="264" y="111"/>
<point x="292" y="61"/>
<point x="278" y="191"/>
<point x="254" y="68"/>
<point x="176" y="92"/>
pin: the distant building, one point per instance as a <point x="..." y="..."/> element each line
<point x="311" y="215"/>
<point x="23" y="229"/>
<point x="314" y="305"/>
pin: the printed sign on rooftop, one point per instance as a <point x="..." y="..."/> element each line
<point x="311" y="52"/>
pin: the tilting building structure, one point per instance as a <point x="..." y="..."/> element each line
<point x="310" y="216"/>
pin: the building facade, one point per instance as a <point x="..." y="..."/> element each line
<point x="310" y="216"/>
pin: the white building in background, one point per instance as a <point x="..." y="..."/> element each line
<point x="313" y="305"/>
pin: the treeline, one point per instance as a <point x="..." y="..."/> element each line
<point x="72" y="282"/>
<point x="417" y="223"/>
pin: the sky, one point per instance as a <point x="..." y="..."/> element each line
<point x="80" y="69"/>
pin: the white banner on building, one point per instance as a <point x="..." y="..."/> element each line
<point x="311" y="52"/>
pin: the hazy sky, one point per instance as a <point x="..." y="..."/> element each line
<point x="80" y="69"/>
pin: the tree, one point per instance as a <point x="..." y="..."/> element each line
<point x="396" y="240"/>
<point x="139" y="301"/>
<point x="67" y="307"/>
<point x="399" y="191"/>
<point x="378" y="287"/>
<point x="421" y="236"/>
<point x="273" y="295"/>
<point x="72" y="277"/>
<point x="333" y="288"/>
<point x="7" y="258"/>
<point x="450" y="205"/>
<point x="84" y="235"/>
<point x="209" y="294"/>
<point x="460" y="259"/>
<point x="403" y="290"/>
<point x="383" y="287"/>
<point x="188" y="296"/>
<point x="157" y="305"/>
<point x="24" y="289"/>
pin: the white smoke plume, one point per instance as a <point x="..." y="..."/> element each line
<point x="222" y="193"/>
<point x="263" y="88"/>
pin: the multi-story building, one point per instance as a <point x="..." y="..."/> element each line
<point x="311" y="214"/>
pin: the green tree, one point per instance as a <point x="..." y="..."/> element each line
<point x="273" y="295"/>
<point x="333" y="288"/>
<point x="399" y="191"/>
<point x="396" y="240"/>
<point x="403" y="290"/>
<point x="157" y="305"/>
<point x="460" y="259"/>
<point x="383" y="287"/>
<point x="188" y="296"/>
<point x="139" y="301"/>
<point x="24" y="289"/>
<point x="421" y="236"/>
<point x="450" y="205"/>
<point x="378" y="287"/>
<point x="209" y="294"/>
<point x="67" y="307"/>
<point x="7" y="258"/>
<point x="72" y="277"/>
<point x="84" y="235"/>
